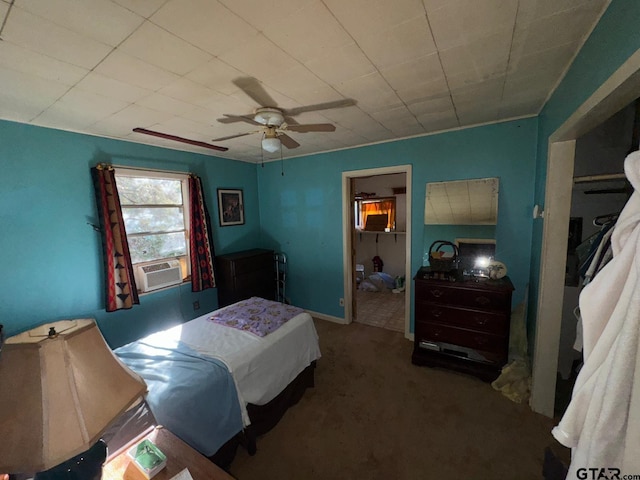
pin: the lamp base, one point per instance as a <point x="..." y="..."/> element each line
<point x="85" y="466"/>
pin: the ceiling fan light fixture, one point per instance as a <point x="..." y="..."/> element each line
<point x="269" y="117"/>
<point x="271" y="144"/>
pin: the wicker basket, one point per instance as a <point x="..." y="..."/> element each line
<point x="439" y="264"/>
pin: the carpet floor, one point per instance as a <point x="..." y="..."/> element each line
<point x="373" y="415"/>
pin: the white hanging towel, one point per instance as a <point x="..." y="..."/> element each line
<point x="602" y="423"/>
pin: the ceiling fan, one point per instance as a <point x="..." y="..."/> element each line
<point x="274" y="121"/>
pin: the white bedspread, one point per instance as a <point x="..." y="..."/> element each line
<point x="261" y="366"/>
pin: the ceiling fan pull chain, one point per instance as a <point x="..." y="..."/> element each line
<point x="281" y="161"/>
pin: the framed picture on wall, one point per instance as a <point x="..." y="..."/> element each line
<point x="230" y="207"/>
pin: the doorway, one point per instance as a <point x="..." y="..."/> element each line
<point x="361" y="246"/>
<point x="600" y="191"/>
<point x="379" y="250"/>
<point x="618" y="91"/>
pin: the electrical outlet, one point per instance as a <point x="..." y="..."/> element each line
<point x="342" y="302"/>
<point x="196" y="305"/>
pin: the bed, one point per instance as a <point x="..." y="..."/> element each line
<point x="216" y="386"/>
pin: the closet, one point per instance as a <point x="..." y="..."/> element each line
<point x="600" y="192"/>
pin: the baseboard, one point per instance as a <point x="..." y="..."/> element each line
<point x="329" y="318"/>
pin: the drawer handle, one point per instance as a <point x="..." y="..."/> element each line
<point x="436" y="313"/>
<point x="480" y="321"/>
<point x="481" y="340"/>
<point x="483" y="300"/>
<point x="436" y="333"/>
<point x="437" y="293"/>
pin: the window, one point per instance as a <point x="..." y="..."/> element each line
<point x="383" y="211"/>
<point x="155" y="209"/>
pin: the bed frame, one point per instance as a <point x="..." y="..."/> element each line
<point x="265" y="417"/>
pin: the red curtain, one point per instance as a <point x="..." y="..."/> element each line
<point x="201" y="243"/>
<point x="379" y="207"/>
<point x="120" y="285"/>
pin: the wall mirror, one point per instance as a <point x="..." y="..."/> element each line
<point x="462" y="202"/>
<point x="465" y="212"/>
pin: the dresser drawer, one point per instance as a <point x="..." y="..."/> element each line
<point x="471" y="297"/>
<point x="482" y="321"/>
<point x="462" y="324"/>
<point x="459" y="336"/>
<point x="260" y="283"/>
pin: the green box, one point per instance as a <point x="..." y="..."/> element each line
<point x="148" y="458"/>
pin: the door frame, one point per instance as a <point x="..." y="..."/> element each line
<point x="347" y="245"/>
<point x="620" y="89"/>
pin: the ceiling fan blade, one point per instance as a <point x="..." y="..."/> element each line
<point x="229" y="137"/>
<point x="238" y="118"/>
<point x="312" y="127"/>
<point x="290" y="121"/>
<point x="347" y="102"/>
<point x="287" y="141"/>
<point x="254" y="89"/>
<point x="180" y="139"/>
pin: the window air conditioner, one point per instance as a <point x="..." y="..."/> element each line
<point x="158" y="275"/>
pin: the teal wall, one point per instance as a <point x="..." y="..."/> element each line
<point x="301" y="212"/>
<point x="52" y="259"/>
<point x="612" y="42"/>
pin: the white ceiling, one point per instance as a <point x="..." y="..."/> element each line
<point x="104" y="67"/>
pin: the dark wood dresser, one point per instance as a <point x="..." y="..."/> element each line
<point x="241" y="275"/>
<point x="462" y="324"/>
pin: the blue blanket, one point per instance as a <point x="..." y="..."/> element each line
<point x="191" y="395"/>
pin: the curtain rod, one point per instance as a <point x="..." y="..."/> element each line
<point x="599" y="178"/>
<point x="146" y="169"/>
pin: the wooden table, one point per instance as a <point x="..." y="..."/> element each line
<point x="179" y="456"/>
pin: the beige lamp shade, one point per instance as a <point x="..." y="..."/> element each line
<point x="58" y="394"/>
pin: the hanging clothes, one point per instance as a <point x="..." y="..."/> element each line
<point x="602" y="255"/>
<point x="594" y="254"/>
<point x="591" y="248"/>
<point x="377" y="264"/>
<point x="602" y="423"/>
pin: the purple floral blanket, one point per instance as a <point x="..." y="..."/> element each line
<point x="256" y="315"/>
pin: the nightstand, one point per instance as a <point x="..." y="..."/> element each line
<point x="179" y="456"/>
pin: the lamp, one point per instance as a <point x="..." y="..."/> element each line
<point x="271" y="144"/>
<point x="61" y="388"/>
